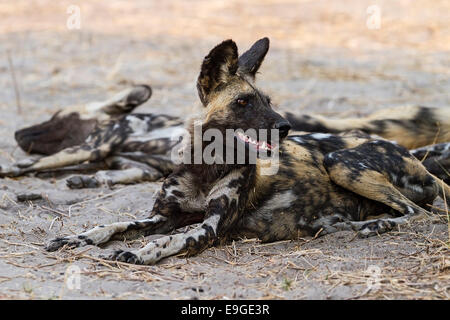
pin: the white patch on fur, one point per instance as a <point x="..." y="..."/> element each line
<point x="124" y="176"/>
<point x="297" y="139"/>
<point x="362" y="165"/>
<point x="432" y="148"/>
<point x="277" y="202"/>
<point x="320" y="136"/>
<point x="327" y="221"/>
<point x="221" y="187"/>
<point x="414" y="187"/>
<point x="168" y="133"/>
<point x="330" y="155"/>
<point x="138" y="126"/>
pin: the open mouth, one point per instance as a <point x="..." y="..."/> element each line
<point x="258" y="145"/>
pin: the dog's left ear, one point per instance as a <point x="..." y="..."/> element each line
<point x="218" y="66"/>
<point x="250" y="61"/>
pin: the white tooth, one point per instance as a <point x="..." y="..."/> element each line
<point x="264" y="145"/>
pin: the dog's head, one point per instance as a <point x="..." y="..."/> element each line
<point x="226" y="87"/>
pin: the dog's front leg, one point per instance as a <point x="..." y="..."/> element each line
<point x="225" y="202"/>
<point x="190" y="242"/>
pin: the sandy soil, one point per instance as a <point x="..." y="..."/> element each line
<point x="323" y="59"/>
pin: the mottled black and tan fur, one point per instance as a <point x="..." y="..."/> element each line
<point x="410" y="126"/>
<point x="325" y="183"/>
<point x="423" y="130"/>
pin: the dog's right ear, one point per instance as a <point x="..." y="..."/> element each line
<point x="250" y="60"/>
<point x="218" y="66"/>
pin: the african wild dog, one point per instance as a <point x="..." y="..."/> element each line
<point x="424" y="131"/>
<point x="325" y="182"/>
<point x="137" y="146"/>
<point x="72" y="125"/>
<point x="410" y="126"/>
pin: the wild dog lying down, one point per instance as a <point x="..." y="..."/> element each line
<point x="72" y="125"/>
<point x="424" y="131"/>
<point x="136" y="146"/>
<point x="325" y="182"/>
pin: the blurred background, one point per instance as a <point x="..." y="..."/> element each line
<point x="343" y="57"/>
<point x="339" y="58"/>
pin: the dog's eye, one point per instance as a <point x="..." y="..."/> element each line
<point x="242" y="102"/>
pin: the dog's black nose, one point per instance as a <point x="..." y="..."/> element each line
<point x="283" y="127"/>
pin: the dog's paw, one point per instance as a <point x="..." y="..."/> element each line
<point x="71" y="242"/>
<point x="25" y="163"/>
<point x="376" y="227"/>
<point x="81" y="182"/>
<point x="125" y="256"/>
<point x="9" y="171"/>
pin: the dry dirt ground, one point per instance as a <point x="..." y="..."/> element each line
<point x="323" y="59"/>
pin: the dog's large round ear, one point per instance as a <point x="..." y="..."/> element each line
<point x="250" y="60"/>
<point x="218" y="66"/>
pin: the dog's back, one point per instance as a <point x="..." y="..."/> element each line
<point x="409" y="126"/>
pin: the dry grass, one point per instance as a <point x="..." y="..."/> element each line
<point x="420" y="270"/>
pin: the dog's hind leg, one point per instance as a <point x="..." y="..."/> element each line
<point x="387" y="173"/>
<point x="124" y="171"/>
<point x="69" y="156"/>
<point x="96" y="147"/>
